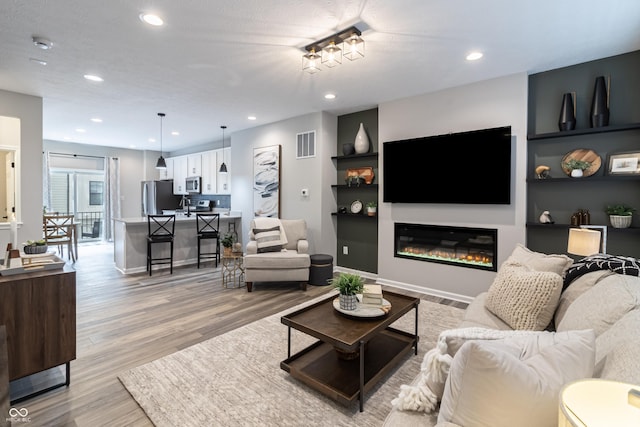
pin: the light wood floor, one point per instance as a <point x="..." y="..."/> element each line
<point x="124" y="321"/>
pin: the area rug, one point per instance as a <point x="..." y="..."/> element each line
<point x="235" y="379"/>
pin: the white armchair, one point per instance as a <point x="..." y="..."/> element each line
<point x="273" y="256"/>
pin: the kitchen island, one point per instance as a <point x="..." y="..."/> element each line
<point x="130" y="241"/>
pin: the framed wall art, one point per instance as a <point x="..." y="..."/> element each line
<point x="266" y="181"/>
<point x="624" y="163"/>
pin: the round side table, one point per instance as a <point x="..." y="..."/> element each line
<point x="233" y="270"/>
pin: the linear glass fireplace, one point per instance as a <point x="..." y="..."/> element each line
<point x="460" y="246"/>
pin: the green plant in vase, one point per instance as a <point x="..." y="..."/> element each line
<point x="577" y="167"/>
<point x="348" y="285"/>
<point x="227" y="243"/>
<point x="620" y="215"/>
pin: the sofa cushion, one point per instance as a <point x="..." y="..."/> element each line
<point x="477" y="315"/>
<point x="617" y="350"/>
<point x="519" y="379"/>
<point x="577" y="287"/>
<point x="277" y="260"/>
<point x="268" y="239"/>
<point x="602" y="306"/>
<point x="555" y="263"/>
<point x="296" y="231"/>
<point x="524" y="298"/>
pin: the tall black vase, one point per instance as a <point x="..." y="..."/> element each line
<point x="567" y="120"/>
<point x="599" y="105"/>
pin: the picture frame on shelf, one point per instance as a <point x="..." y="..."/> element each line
<point x="627" y="163"/>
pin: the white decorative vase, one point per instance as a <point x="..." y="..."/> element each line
<point x="620" y="221"/>
<point x="362" y="141"/>
<point x="348" y="302"/>
<point x="577" y="173"/>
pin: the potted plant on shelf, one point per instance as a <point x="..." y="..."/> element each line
<point x="577" y="167"/>
<point x="620" y="215"/>
<point x="227" y="243"/>
<point x="372" y="208"/>
<point x="35" y="247"/>
<point x="348" y="285"/>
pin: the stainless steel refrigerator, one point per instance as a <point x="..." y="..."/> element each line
<point x="158" y="195"/>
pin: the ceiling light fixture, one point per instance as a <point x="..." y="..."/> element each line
<point x="330" y="96"/>
<point x="473" y="56"/>
<point x="223" y="166"/>
<point x="42" y="43"/>
<point x="96" y="120"/>
<point x="161" y="163"/>
<point x="251" y="118"/>
<point x="151" y="19"/>
<point x="331" y="52"/>
<point x="38" y="61"/>
<point x="93" y="78"/>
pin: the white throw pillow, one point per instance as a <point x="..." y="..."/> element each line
<point x="515" y="381"/>
<point x="268" y="239"/>
<point x="538" y="261"/>
<point x="524" y="298"/>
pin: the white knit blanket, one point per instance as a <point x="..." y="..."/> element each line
<point x="268" y="222"/>
<point x="427" y="392"/>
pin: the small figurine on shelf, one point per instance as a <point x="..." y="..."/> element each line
<point x="545" y="218"/>
<point x="542" y="172"/>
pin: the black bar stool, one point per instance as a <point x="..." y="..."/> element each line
<point x="161" y="230"/>
<point x="208" y="226"/>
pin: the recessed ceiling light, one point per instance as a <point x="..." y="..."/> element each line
<point x="474" y="56"/>
<point x="38" y="61"/>
<point x="151" y="140"/>
<point x="330" y="96"/>
<point x="175" y="133"/>
<point x="96" y="120"/>
<point x="151" y="19"/>
<point x="80" y="130"/>
<point x="251" y="118"/>
<point x="93" y="78"/>
<point x="42" y="43"/>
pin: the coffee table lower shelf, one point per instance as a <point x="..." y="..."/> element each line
<point x="320" y="368"/>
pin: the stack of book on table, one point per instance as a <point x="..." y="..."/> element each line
<point x="372" y="295"/>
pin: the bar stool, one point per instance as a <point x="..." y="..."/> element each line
<point x="208" y="226"/>
<point x="161" y="229"/>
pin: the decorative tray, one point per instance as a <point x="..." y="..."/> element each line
<point x="34" y="262"/>
<point x="364" y="310"/>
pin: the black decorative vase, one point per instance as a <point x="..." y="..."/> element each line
<point x="348" y="149"/>
<point x="567" y="120"/>
<point x="599" y="105"/>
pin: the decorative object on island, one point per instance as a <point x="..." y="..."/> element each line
<point x="361" y="143"/>
<point x="356" y="175"/>
<point x="600" y="104"/>
<point x="583" y="160"/>
<point x="266" y="181"/>
<point x="348" y="149"/>
<point x="542" y="172"/>
<point x="545" y="218"/>
<point x="372" y="208"/>
<point x="620" y="215"/>
<point x="348" y="285"/>
<point x="35" y="247"/>
<point x="567" y="120"/>
<point x="161" y="164"/>
<point x="624" y="163"/>
<point x="227" y="244"/>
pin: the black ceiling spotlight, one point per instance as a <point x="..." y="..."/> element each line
<point x="223" y="166"/>
<point x="161" y="164"/>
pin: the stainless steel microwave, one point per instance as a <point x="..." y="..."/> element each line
<point x="192" y="184"/>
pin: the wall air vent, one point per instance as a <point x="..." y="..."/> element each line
<point x="306" y="145"/>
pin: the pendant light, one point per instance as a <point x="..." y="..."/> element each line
<point x="161" y="164"/>
<point x="223" y="166"/>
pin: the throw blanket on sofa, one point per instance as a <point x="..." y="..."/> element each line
<point x="425" y="394"/>
<point x="615" y="263"/>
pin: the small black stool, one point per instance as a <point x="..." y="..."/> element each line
<point x="321" y="269"/>
<point x="161" y="229"/>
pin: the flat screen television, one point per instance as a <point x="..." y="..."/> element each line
<point x="468" y="167"/>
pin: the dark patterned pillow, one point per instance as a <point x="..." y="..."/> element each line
<point x="268" y="239"/>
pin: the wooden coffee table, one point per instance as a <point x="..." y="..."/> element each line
<point x="352" y="354"/>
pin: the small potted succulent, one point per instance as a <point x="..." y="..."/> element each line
<point x="372" y="208"/>
<point x="35" y="247"/>
<point x="620" y="215"/>
<point x="577" y="167"/>
<point x="348" y="285"/>
<point x="227" y="243"/>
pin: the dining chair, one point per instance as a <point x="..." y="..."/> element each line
<point x="58" y="231"/>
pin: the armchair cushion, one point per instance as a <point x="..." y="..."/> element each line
<point x="268" y="239"/>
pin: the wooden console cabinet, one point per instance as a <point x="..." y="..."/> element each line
<point x="39" y="312"/>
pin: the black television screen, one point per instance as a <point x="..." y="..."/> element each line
<point x="467" y="167"/>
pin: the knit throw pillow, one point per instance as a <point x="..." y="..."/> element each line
<point x="524" y="298"/>
<point x="268" y="239"/>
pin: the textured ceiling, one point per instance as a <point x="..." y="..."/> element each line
<point x="216" y="62"/>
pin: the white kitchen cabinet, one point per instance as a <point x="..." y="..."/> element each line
<point x="209" y="172"/>
<point x="179" y="175"/>
<point x="224" y="179"/>
<point x="194" y="165"/>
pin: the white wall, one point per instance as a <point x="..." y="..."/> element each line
<point x="315" y="174"/>
<point x="492" y="103"/>
<point x="28" y="109"/>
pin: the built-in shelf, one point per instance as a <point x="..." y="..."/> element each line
<point x="584" y="180"/>
<point x="567" y="226"/>
<point x="356" y="156"/>
<point x="362" y="215"/>
<point x="354" y="187"/>
<point x="588" y="131"/>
